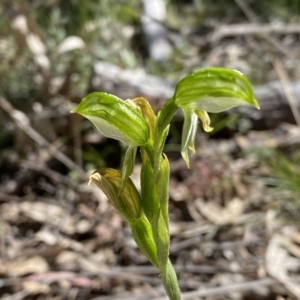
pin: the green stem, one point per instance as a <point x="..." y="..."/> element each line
<point x="155" y="195"/>
<point x="150" y="151"/>
<point x="170" y="282"/>
<point x="162" y="188"/>
<point x="166" y="115"/>
<point x="161" y="131"/>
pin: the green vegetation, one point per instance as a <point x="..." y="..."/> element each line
<point x="134" y="123"/>
<point x="286" y="169"/>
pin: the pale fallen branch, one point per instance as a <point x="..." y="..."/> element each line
<point x="133" y="83"/>
<point x="282" y="74"/>
<point x="224" y="30"/>
<point x="17" y="296"/>
<point x="55" y="176"/>
<point x="220" y="290"/>
<point x="230" y="288"/>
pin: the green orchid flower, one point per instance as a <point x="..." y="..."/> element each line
<point x="134" y="123"/>
<point x="115" y="118"/>
<point x="210" y="90"/>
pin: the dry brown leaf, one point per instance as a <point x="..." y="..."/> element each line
<point x="52" y="239"/>
<point x="83" y="226"/>
<point x="296" y="237"/>
<point x="51" y="214"/>
<point x="10" y="211"/>
<point x="69" y="260"/>
<point x="34" y="264"/>
<point x="219" y="215"/>
<point x="179" y="191"/>
<point x="292" y="248"/>
<point x="36" y="287"/>
<point x="222" y="279"/>
<point x="105" y="233"/>
<point x="279" y="263"/>
<point x="3" y="268"/>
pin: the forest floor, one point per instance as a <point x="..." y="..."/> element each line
<point x="234" y="215"/>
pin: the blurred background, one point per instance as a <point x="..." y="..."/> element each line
<point x="234" y="214"/>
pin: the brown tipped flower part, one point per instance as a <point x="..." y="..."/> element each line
<point x="128" y="201"/>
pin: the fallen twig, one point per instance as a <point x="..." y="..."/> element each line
<point x="230" y="288"/>
<point x="245" y="29"/>
<point x="23" y="122"/>
<point x="287" y="88"/>
<point x="55" y="176"/>
<point x="17" y="296"/>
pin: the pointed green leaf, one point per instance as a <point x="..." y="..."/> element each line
<point x="162" y="188"/>
<point x="162" y="184"/>
<point x="143" y="236"/>
<point x="162" y="240"/>
<point x="149" y="197"/>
